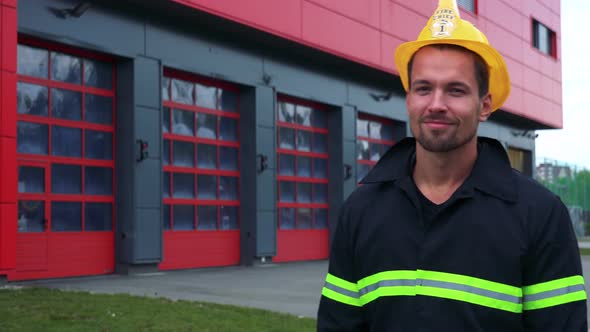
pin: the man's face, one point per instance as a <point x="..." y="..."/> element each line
<point x="443" y="103"/>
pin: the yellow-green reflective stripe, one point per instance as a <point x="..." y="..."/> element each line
<point x="554" y="301"/>
<point x="470" y="281"/>
<point x="340" y="297"/>
<point x="553" y="284"/>
<point x="349" y="286"/>
<point x="469" y="297"/>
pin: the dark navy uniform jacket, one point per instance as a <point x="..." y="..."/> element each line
<point x="499" y="255"/>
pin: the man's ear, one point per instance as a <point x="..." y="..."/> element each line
<point x="486" y="108"/>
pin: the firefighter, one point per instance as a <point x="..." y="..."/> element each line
<point x="443" y="235"/>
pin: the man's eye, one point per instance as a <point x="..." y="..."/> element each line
<point x="422" y="89"/>
<point x="457" y="92"/>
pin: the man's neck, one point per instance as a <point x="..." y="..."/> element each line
<point x="438" y="174"/>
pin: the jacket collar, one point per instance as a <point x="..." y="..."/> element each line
<point x="491" y="173"/>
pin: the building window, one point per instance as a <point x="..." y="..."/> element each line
<point x="469" y="5"/>
<point x="200" y="154"/>
<point x="65" y="139"/>
<point x="302" y="176"/>
<point x="375" y="136"/>
<point x="521" y="160"/>
<point x="544" y="39"/>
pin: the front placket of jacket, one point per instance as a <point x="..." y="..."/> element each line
<point x="421" y="319"/>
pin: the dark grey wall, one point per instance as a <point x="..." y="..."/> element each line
<point x="147" y="36"/>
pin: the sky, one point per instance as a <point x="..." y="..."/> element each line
<point x="572" y="143"/>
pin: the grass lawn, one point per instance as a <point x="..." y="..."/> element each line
<point x="40" y="309"/>
<point x="585" y="251"/>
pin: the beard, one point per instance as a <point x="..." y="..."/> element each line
<point x="444" y="141"/>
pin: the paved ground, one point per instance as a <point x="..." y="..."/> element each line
<point x="291" y="288"/>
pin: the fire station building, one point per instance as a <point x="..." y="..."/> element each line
<point x="173" y="134"/>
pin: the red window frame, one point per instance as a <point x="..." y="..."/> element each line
<point x="46" y="161"/>
<point x="296" y="153"/>
<point x="170" y="138"/>
<point x="371" y="141"/>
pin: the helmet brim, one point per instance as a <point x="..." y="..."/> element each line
<point x="499" y="86"/>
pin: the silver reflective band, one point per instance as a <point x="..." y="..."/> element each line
<point x="387" y="283"/>
<point x="554" y="293"/>
<point x="471" y="289"/>
<point x="341" y="290"/>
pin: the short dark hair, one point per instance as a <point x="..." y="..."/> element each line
<point x="482" y="75"/>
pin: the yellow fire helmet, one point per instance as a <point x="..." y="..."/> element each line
<point x="446" y="27"/>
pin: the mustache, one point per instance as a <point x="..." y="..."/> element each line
<point x="438" y="118"/>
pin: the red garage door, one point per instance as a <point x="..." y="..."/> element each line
<point x="302" y="179"/>
<point x="65" y="160"/>
<point x="201" y="172"/>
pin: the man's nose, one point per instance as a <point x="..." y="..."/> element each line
<point x="438" y="102"/>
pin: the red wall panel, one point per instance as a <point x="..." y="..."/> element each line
<point x="365" y="11"/>
<point x="335" y="32"/>
<point x="8" y="176"/>
<point x="183" y="250"/>
<point x="349" y="29"/>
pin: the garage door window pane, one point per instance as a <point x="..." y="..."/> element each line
<point x="287" y="218"/>
<point x="166" y="152"/>
<point x="66" y="104"/>
<point x="99" y="145"/>
<point x="31" y="216"/>
<point x="287" y="138"/>
<point x="66" y="179"/>
<point x="320" y="193"/>
<point x="66" y="142"/>
<point x="287" y="165"/>
<point x="182" y="92"/>
<point x="183" y="154"/>
<point x="207" y="186"/>
<point x="320" y="119"/>
<point x="206" y="126"/>
<point x="207" y="218"/>
<point x="32" y="138"/>
<point x="99" y="181"/>
<point x="303" y="140"/>
<point x="362" y="149"/>
<point x="184" y="216"/>
<point x="65" y="68"/>
<point x="320" y="143"/>
<point x="303" y="115"/>
<point x="166" y="185"/>
<point x="228" y="129"/>
<point x="165" y="88"/>
<point x="320" y="168"/>
<point x="32" y="61"/>
<point x="166" y="217"/>
<point x="228" y="158"/>
<point x="286" y="112"/>
<point x="66" y="216"/>
<point x="303" y="192"/>
<point x="206" y="96"/>
<point x="31" y="99"/>
<point x="184" y="185"/>
<point x="228" y="101"/>
<point x="99" y="109"/>
<point x="166" y="121"/>
<point x="31" y="179"/>
<point x="229" y="217"/>
<point x="228" y="188"/>
<point x="99" y="217"/>
<point x="207" y="156"/>
<point x="320" y="218"/>
<point x="304" y="166"/>
<point x="303" y="218"/>
<point x="287" y="191"/>
<point x="98" y="74"/>
<point x="183" y="123"/>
